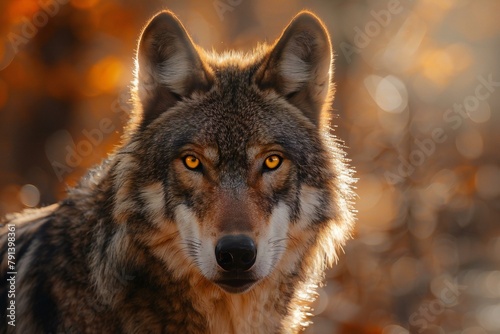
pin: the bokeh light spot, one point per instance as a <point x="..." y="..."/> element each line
<point x="29" y="195"/>
<point x="481" y="114"/>
<point x="21" y="9"/>
<point x="388" y="92"/>
<point x="488" y="317"/>
<point x="492" y="283"/>
<point x="487" y="181"/>
<point x="437" y="66"/>
<point x="394" y="329"/>
<point x="469" y="143"/>
<point x="105" y="74"/>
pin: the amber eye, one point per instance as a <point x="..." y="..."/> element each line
<point x="192" y="162"/>
<point x="272" y="162"/>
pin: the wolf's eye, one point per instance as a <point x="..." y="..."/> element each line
<point x="192" y="162"/>
<point x="272" y="162"/>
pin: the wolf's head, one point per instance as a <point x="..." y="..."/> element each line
<point x="230" y="156"/>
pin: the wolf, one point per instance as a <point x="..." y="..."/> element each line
<point x="219" y="212"/>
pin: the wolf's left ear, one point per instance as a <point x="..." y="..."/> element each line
<point x="299" y="66"/>
<point x="169" y="66"/>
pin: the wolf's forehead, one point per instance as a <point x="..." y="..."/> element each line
<point x="231" y="116"/>
<point x="229" y="139"/>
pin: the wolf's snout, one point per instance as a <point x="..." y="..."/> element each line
<point x="235" y="252"/>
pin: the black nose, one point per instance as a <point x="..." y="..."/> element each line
<point x="235" y="252"/>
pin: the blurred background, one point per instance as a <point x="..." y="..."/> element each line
<point x="418" y="95"/>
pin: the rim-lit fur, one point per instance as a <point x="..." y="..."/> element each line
<point x="131" y="249"/>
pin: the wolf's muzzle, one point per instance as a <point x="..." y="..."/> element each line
<point x="235" y="253"/>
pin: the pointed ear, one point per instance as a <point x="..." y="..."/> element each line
<point x="299" y="66"/>
<point x="169" y="66"/>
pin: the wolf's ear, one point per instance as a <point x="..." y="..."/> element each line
<point x="169" y="66"/>
<point x="299" y="66"/>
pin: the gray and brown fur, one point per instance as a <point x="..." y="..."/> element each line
<point x="130" y="250"/>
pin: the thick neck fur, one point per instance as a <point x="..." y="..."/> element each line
<point x="126" y="270"/>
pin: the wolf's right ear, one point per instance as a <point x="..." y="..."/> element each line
<point x="299" y="66"/>
<point x="169" y="66"/>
